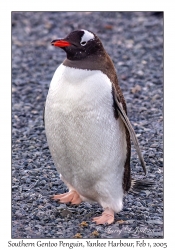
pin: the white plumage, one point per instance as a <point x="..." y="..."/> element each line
<point x="87" y="36"/>
<point x="87" y="143"/>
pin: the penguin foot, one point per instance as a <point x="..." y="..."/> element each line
<point x="106" y="217"/>
<point x="72" y="196"/>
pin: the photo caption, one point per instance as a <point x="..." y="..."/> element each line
<point x="87" y="244"/>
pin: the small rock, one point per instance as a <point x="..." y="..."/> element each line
<point x="66" y="212"/>
<point x="77" y="235"/>
<point x="136" y="89"/>
<point x="155" y="222"/>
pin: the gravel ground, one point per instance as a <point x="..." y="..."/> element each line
<point x="134" y="40"/>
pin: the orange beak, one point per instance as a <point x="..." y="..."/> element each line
<point x="60" y="43"/>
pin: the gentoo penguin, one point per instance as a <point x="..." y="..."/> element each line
<point x="87" y="127"/>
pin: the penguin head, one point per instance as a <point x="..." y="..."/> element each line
<point x="79" y="44"/>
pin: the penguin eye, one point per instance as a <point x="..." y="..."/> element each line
<point x="83" y="43"/>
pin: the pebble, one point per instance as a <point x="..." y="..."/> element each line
<point x="159" y="222"/>
<point x="135" y="45"/>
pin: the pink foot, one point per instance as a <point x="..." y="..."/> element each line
<point x="71" y="196"/>
<point x="106" y="217"/>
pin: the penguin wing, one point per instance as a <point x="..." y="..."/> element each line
<point x="128" y="125"/>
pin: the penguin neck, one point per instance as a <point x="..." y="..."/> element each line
<point x="101" y="62"/>
<point x="91" y="62"/>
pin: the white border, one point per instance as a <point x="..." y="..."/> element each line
<point x="5" y="96"/>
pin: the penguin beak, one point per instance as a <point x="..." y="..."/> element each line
<point x="60" y="43"/>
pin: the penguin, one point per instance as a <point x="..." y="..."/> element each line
<point x="87" y="127"/>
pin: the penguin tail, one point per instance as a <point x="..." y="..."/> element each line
<point x="139" y="185"/>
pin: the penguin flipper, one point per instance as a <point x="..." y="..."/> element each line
<point x="128" y="125"/>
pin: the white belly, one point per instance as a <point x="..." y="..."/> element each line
<point x="87" y="143"/>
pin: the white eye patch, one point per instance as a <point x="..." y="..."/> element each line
<point x="86" y="37"/>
